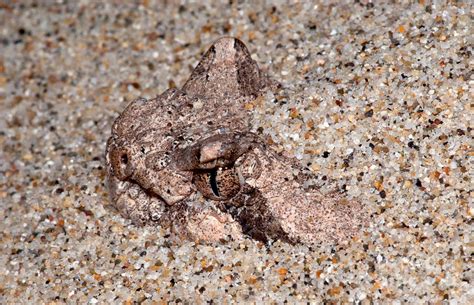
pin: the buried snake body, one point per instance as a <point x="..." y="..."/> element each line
<point x="168" y="152"/>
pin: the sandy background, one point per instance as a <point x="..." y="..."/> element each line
<point x="376" y="101"/>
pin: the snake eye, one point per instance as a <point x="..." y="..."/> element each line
<point x="213" y="182"/>
<point x="217" y="184"/>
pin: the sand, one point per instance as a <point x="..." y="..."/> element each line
<point x="376" y="101"/>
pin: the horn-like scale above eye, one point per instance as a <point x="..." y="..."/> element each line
<point x="217" y="184"/>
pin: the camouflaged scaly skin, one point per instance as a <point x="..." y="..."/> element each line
<point x="166" y="153"/>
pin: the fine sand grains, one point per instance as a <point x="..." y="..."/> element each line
<point x="376" y="100"/>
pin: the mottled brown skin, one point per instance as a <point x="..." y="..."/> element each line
<point x="166" y="153"/>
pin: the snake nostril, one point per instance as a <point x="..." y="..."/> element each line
<point x="124" y="158"/>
